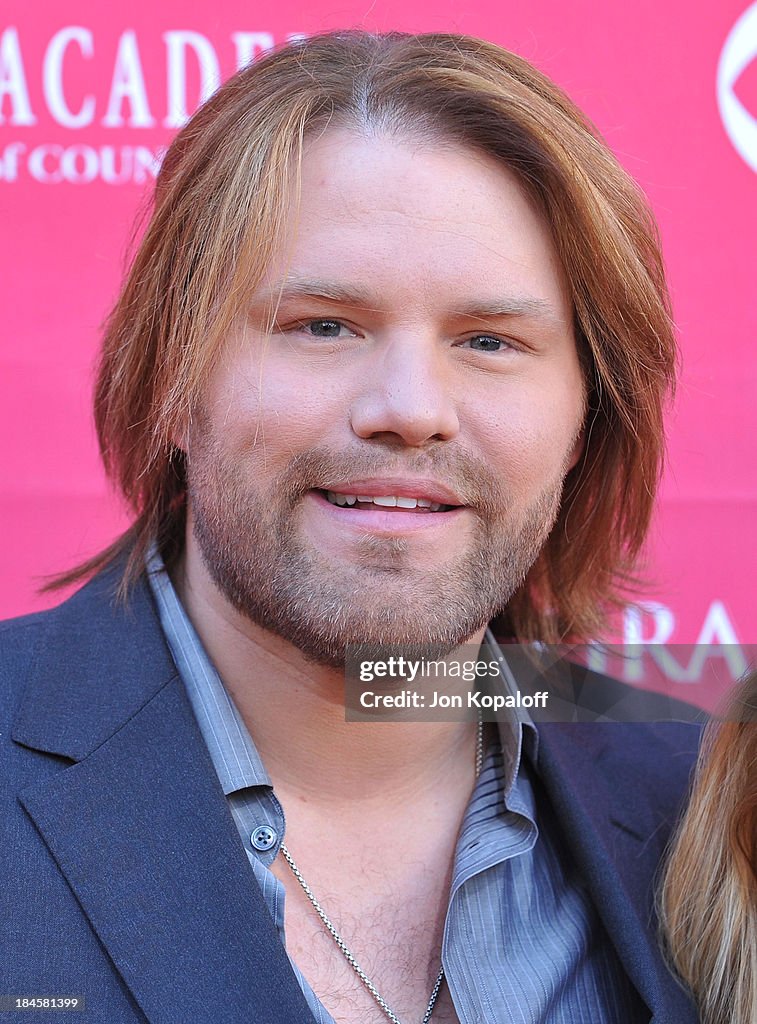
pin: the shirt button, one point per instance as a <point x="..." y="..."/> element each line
<point x="263" y="838"/>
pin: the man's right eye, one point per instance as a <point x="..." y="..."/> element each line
<point x="324" y="328"/>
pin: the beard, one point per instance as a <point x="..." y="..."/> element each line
<point x="259" y="559"/>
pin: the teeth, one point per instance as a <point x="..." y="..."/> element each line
<point x="385" y="501"/>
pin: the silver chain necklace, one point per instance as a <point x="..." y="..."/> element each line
<point x="342" y="945"/>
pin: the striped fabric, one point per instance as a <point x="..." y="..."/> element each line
<point x="522" y="941"/>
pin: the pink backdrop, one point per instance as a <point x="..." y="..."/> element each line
<point x="91" y="92"/>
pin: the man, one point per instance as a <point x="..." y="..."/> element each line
<point x="389" y="366"/>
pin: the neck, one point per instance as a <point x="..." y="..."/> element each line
<point x="294" y="711"/>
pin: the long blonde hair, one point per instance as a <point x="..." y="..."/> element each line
<point x="709" y="892"/>
<point x="221" y="207"/>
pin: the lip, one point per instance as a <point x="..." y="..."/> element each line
<point x="400" y="487"/>
<point x="387" y="521"/>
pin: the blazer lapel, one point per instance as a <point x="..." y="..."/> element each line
<point x="140" y="828"/>
<point x="617" y="841"/>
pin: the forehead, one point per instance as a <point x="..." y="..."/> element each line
<point x="403" y="219"/>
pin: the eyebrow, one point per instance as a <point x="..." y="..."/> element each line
<point x="484" y="309"/>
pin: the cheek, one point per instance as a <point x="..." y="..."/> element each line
<point x="524" y="436"/>
<point x="270" y="408"/>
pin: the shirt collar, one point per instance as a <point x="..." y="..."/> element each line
<point x="232" y="751"/>
<point x="517" y="732"/>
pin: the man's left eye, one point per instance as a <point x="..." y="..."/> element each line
<point x="487" y="343"/>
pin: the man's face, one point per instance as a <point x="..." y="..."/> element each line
<point x="385" y="464"/>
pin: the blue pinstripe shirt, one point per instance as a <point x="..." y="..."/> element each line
<point x="522" y="941"/>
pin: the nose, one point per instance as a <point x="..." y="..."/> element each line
<point x="409" y="395"/>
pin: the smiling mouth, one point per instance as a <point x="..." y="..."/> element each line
<point x="397" y="502"/>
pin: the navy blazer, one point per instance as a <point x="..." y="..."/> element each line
<point x="123" y="878"/>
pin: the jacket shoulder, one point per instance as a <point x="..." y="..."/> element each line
<point x="25" y="638"/>
<point x="79" y="670"/>
<point x="20" y="642"/>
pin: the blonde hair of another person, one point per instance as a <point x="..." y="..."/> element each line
<point x="709" y="894"/>
<point x="222" y="205"/>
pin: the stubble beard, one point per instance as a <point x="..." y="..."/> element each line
<point x="255" y="556"/>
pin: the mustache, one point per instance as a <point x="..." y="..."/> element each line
<point x="321" y="468"/>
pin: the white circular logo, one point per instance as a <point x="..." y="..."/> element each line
<point x="738" y="51"/>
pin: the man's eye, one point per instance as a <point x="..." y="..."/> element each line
<point x="487" y="343"/>
<point x="325" y="328"/>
